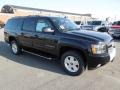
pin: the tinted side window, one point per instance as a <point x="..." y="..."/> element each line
<point x="42" y="24"/>
<point x="14" y="24"/>
<point x="19" y="24"/>
<point x="29" y="24"/>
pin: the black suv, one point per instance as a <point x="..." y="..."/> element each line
<point x="61" y="38"/>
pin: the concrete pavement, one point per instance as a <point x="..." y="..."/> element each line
<point x="29" y="72"/>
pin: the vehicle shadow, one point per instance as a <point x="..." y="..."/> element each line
<point x="31" y="60"/>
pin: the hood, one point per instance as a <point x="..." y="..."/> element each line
<point x="92" y="34"/>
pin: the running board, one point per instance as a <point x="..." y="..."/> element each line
<point x="37" y="55"/>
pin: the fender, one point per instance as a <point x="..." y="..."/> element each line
<point x="81" y="45"/>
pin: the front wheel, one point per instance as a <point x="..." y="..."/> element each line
<point x="72" y="63"/>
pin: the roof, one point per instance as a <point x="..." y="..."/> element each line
<point x="33" y="16"/>
<point x="45" y="10"/>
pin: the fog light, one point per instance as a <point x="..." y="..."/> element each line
<point x="99" y="65"/>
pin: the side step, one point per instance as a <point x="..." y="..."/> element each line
<point x="45" y="57"/>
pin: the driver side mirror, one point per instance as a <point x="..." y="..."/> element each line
<point x="47" y="30"/>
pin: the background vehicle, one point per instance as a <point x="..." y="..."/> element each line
<point x="100" y="26"/>
<point x="115" y="29"/>
<point x="78" y="22"/>
<point x="61" y="38"/>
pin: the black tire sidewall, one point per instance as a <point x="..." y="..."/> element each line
<point x="80" y="60"/>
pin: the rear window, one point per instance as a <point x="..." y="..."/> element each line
<point x="14" y="24"/>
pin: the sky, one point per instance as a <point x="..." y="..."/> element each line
<point x="98" y="8"/>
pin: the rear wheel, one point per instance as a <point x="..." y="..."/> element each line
<point x="15" y="47"/>
<point x="72" y="63"/>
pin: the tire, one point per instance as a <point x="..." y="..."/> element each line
<point x="15" y="47"/>
<point x="72" y="63"/>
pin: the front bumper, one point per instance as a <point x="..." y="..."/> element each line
<point x="95" y="61"/>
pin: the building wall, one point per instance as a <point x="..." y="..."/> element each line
<point x="4" y="17"/>
<point x="21" y="12"/>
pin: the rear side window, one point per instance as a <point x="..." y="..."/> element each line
<point x="14" y="24"/>
<point x="29" y="24"/>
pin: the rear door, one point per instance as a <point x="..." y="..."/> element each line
<point x="27" y="32"/>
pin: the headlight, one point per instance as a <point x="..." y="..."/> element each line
<point x="99" y="48"/>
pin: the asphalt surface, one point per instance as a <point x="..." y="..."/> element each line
<point x="29" y="72"/>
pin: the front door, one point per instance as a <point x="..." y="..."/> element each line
<point x="46" y="42"/>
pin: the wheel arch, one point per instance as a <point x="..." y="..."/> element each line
<point x="64" y="49"/>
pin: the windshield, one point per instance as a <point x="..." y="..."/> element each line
<point x="116" y="23"/>
<point x="64" y="24"/>
<point x="94" y="23"/>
